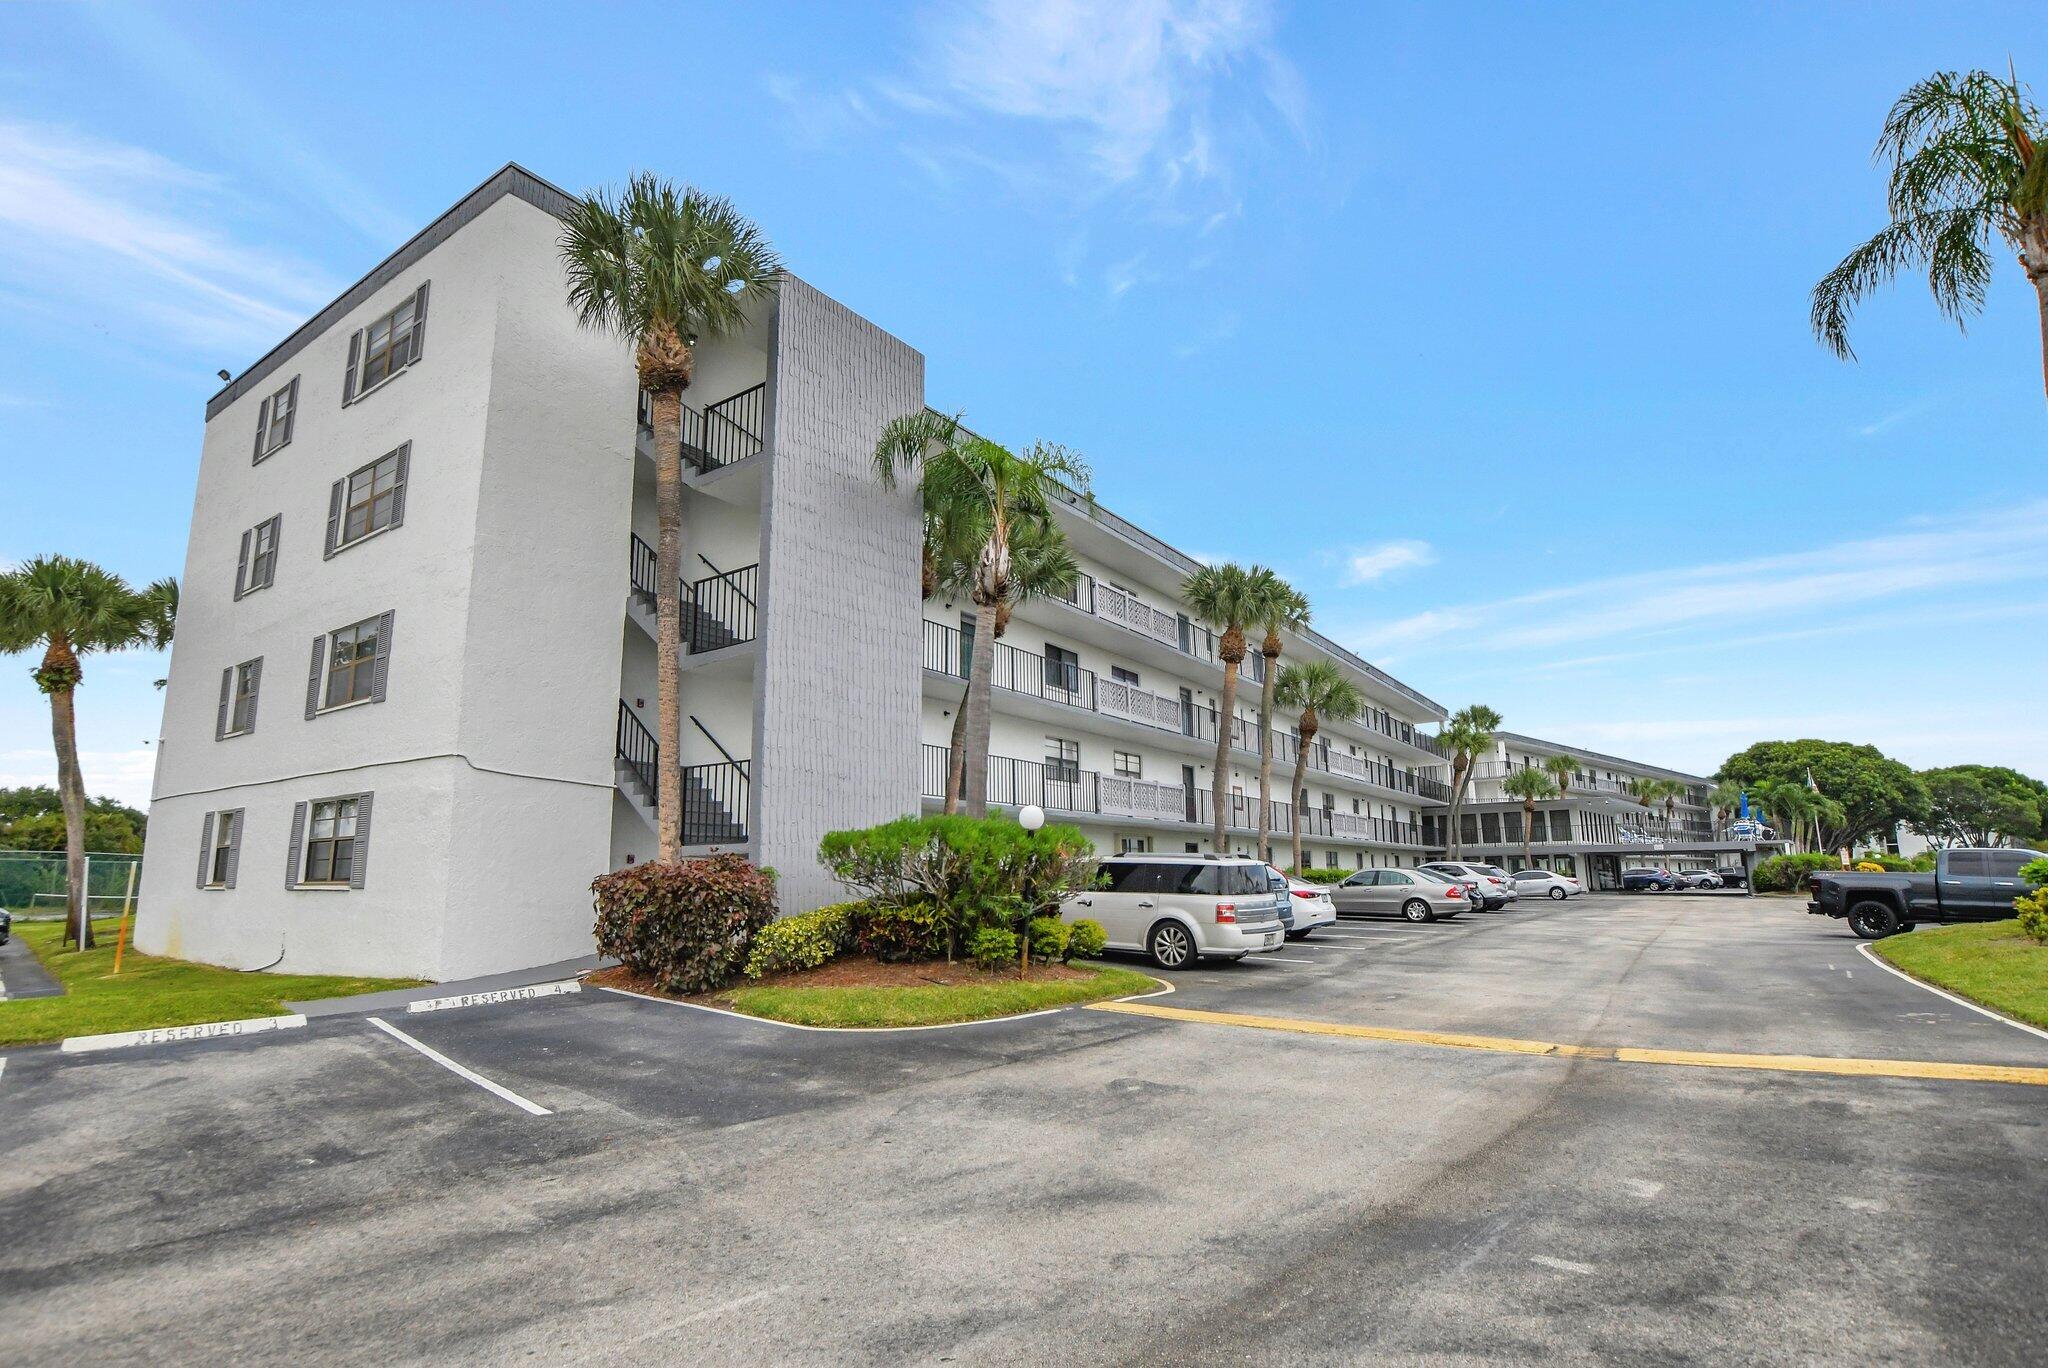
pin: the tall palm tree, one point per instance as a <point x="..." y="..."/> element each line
<point x="1969" y="157"/>
<point x="1227" y="598"/>
<point x="992" y="500"/>
<point x="1467" y="736"/>
<point x="1650" y="793"/>
<point x="1563" y="770"/>
<point x="1790" y="805"/>
<point x="1531" y="785"/>
<point x="1316" y="689"/>
<point x="1726" y="801"/>
<point x="71" y="608"/>
<point x="1283" y="608"/>
<point x="663" y="266"/>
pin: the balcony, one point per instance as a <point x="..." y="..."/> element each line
<point x="719" y="434"/>
<point x="718" y="610"/>
<point x="948" y="651"/>
<point x="714" y="795"/>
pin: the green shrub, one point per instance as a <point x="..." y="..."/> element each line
<point x="804" y="941"/>
<point x="993" y="948"/>
<point x="1882" y="861"/>
<point x="2035" y="872"/>
<point x="1086" y="939"/>
<point x="688" y="925"/>
<point x="1784" y="873"/>
<point x="1049" y="937"/>
<point x="2033" y="913"/>
<point x="1323" y="876"/>
<point x="977" y="871"/>
<point x="896" y="932"/>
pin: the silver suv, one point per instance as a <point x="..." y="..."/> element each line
<point x="1178" y="908"/>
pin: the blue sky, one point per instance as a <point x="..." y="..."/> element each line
<point x="1486" y="324"/>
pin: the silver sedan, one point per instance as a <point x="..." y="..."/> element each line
<point x="1546" y="883"/>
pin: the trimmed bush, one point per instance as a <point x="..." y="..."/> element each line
<point x="1322" y="876"/>
<point x="1049" y="937"/>
<point x="687" y="925"/>
<point x="895" y="932"/>
<point x="1086" y="939"/>
<point x="2033" y="914"/>
<point x="804" y="941"/>
<point x="993" y="948"/>
<point x="1869" y="867"/>
<point x="1783" y="873"/>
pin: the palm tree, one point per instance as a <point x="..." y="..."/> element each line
<point x="1563" y="770"/>
<point x="992" y="502"/>
<point x="663" y="266"/>
<point x="70" y="608"/>
<point x="1969" y="157"/>
<point x="1790" y="805"/>
<point x="1726" y="801"/>
<point x="1226" y="598"/>
<point x="1316" y="689"/>
<point x="1282" y="608"/>
<point x="1467" y="736"/>
<point x="1651" y="793"/>
<point x="1531" y="785"/>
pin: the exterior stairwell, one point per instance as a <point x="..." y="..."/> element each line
<point x="717" y="610"/>
<point x="714" y="795"/>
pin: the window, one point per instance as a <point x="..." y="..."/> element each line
<point x="1561" y="825"/>
<point x="1126" y="845"/>
<point x="238" y="686"/>
<point x="1969" y="864"/>
<point x="2005" y="864"/>
<point x="1062" y="669"/>
<point x="220" y="848"/>
<point x="386" y="347"/>
<point x="274" y="420"/>
<point x="256" y="566"/>
<point x="1123" y="676"/>
<point x="369" y="500"/>
<point x="355" y="660"/>
<point x="1062" y="760"/>
<point x="331" y="840"/>
<point x="1329" y="859"/>
<point x="1130" y="765"/>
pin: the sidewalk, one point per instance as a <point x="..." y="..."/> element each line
<point x="22" y="975"/>
<point x="489" y="983"/>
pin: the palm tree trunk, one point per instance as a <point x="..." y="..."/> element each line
<point x="1460" y="772"/>
<point x="1308" y="731"/>
<point x="956" y="756"/>
<point x="1265" y="846"/>
<point x="1219" y="779"/>
<point x="71" y="794"/>
<point x="1528" y="832"/>
<point x="2036" y="238"/>
<point x="974" y="736"/>
<point x="667" y="405"/>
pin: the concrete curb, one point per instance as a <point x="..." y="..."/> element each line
<point x="164" y="1035"/>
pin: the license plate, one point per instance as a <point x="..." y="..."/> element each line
<point x="1269" y="941"/>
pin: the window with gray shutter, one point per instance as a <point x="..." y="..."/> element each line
<point x="382" y="350"/>
<point x="313" y="676"/>
<point x="369" y="500"/>
<point x="357" y="663"/>
<point x="256" y="564"/>
<point x="336" y="835"/>
<point x="205" y="848"/>
<point x="239" y="686"/>
<point x="294" y="846"/>
<point x="220" y="848"/>
<point x="275" y="419"/>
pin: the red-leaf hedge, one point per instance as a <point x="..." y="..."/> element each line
<point x="689" y="925"/>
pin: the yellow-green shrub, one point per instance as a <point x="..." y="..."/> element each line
<point x="804" y="941"/>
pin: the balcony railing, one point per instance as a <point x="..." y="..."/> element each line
<point x="714" y="795"/>
<point x="721" y="433"/>
<point x="1329" y="760"/>
<point x="950" y="651"/>
<point x="1015" y="783"/>
<point x="718" y="610"/>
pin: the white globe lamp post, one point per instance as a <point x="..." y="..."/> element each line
<point x="1031" y="817"/>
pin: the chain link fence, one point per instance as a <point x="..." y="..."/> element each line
<point x="32" y="883"/>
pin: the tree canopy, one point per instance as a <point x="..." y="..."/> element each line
<point x="32" y="818"/>
<point x="1983" y="805"/>
<point x="1875" y="792"/>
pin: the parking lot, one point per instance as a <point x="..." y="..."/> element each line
<point x="641" y="1182"/>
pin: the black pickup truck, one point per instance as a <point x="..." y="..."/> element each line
<point x="1966" y="886"/>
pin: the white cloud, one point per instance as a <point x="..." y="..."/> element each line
<point x="123" y="775"/>
<point x="1367" y="564"/>
<point x="129" y="240"/>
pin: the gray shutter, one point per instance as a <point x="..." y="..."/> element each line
<point x="205" y="846"/>
<point x="291" y="869"/>
<point x="291" y="417"/>
<point x="355" y="357"/>
<point x="234" y="847"/>
<point x="359" y="856"/>
<point x="334" y="518"/>
<point x="255" y="689"/>
<point x="276" y="542"/>
<point x="419" y="323"/>
<point x="262" y="422"/>
<point x="398" y="492"/>
<point x="383" y="657"/>
<point x="313" y="676"/>
<point x="242" y="585"/>
<point x="227" y="686"/>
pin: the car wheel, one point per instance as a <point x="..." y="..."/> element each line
<point x="1171" y="946"/>
<point x="1416" y="910"/>
<point x="1557" y="894"/>
<point x="1873" y="920"/>
<point x="1908" y="926"/>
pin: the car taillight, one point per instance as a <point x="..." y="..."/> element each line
<point x="1304" y="893"/>
<point x="1490" y="879"/>
<point x="1456" y="890"/>
<point x="1226" y="913"/>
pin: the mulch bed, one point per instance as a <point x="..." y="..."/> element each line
<point x="853" y="971"/>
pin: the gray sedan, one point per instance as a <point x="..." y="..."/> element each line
<point x="1546" y="883"/>
<point x="1415" y="894"/>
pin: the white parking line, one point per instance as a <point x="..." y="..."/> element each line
<point x="532" y="1108"/>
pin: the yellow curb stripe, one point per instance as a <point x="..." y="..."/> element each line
<point x="1698" y="1059"/>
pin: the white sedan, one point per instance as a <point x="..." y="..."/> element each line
<point x="1308" y="906"/>
<point x="1546" y="883"/>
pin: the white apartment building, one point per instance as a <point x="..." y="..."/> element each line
<point x="1596" y="828"/>
<point x="411" y="700"/>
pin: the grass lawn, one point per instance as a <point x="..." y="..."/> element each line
<point x="932" y="1004"/>
<point x="150" y="991"/>
<point x="1988" y="962"/>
